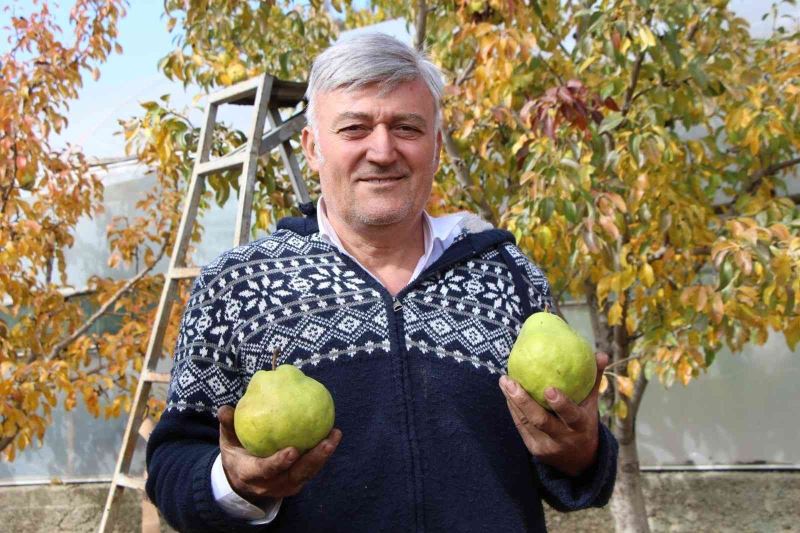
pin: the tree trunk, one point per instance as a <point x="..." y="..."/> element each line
<point x="627" y="504"/>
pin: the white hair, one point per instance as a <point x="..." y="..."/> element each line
<point x="371" y="58"/>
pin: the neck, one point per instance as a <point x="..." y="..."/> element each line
<point x="389" y="252"/>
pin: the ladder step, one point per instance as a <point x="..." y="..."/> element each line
<point x="283" y="94"/>
<point x="184" y="272"/>
<point x="221" y="164"/>
<point x="130" y="482"/>
<point x="283" y="133"/>
<point x="156" y="377"/>
<point x="237" y="92"/>
<point x="146" y="427"/>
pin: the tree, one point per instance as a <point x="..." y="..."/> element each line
<point x="638" y="150"/>
<point x="52" y="348"/>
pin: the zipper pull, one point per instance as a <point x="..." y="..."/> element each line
<point x="397" y="304"/>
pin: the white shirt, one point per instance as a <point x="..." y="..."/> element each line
<point x="440" y="233"/>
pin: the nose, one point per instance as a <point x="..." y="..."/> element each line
<point x="381" y="149"/>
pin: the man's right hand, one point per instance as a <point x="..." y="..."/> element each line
<point x="282" y="474"/>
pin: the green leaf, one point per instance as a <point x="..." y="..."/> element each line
<point x="635" y="142"/>
<point x="697" y="73"/>
<point x="611" y="121"/>
<point x="710" y="356"/>
<point x="546" y="208"/>
<point x="650" y="369"/>
<point x="570" y="212"/>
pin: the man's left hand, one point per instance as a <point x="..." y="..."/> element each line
<point x="567" y="438"/>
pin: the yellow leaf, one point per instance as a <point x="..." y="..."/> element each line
<point x="603" y="288"/>
<point x="625" y="385"/>
<point x="603" y="384"/>
<point x="621" y="409"/>
<point x="630" y="324"/>
<point x="646" y="275"/>
<point x="685" y="371"/>
<point x="587" y="62"/>
<point x="702" y="299"/>
<point x="634" y="369"/>
<point x="647" y="37"/>
<point x="615" y="314"/>
<point x="752" y="141"/>
<point x="607" y="224"/>
<point x="767" y="294"/>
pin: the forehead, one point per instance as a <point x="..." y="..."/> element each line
<point x="412" y="97"/>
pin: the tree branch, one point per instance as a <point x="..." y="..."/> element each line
<point x="637" y="67"/>
<point x="754" y="181"/>
<point x="462" y="174"/>
<point x="621" y="361"/>
<point x="420" y="19"/>
<point x="5" y="441"/>
<point x="466" y="73"/>
<point x="105" y="307"/>
<point x="459" y="165"/>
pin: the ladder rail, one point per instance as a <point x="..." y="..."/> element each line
<point x="264" y="93"/>
<point x="289" y="160"/>
<point x="248" y="176"/>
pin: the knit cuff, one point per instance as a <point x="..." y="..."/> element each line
<point x="592" y="488"/>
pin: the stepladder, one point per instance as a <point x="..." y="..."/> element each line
<point x="267" y="131"/>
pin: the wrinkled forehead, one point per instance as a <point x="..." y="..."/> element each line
<point x="410" y="93"/>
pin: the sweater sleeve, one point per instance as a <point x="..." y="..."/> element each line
<point x="180" y="454"/>
<point x="183" y="446"/>
<point x="592" y="488"/>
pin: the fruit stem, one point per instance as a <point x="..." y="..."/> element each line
<point x="275" y="353"/>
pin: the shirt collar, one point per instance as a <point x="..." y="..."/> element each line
<point x="432" y="231"/>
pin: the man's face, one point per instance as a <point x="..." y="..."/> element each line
<point x="375" y="155"/>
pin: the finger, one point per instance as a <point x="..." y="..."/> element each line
<point x="565" y="409"/>
<point x="226" y="429"/>
<point x="278" y="464"/>
<point x="313" y="460"/>
<point x="530" y="433"/>
<point x="534" y="415"/>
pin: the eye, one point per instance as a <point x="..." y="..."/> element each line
<point x="351" y="127"/>
<point x="353" y="130"/>
<point x="407" y="130"/>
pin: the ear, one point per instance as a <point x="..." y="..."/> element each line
<point x="309" y="143"/>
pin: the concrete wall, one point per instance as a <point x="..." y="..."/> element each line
<point x="678" y="502"/>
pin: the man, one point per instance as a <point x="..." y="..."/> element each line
<point x="407" y="319"/>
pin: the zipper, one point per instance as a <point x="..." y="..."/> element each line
<point x="397" y="304"/>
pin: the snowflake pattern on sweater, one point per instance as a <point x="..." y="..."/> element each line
<point x="297" y="294"/>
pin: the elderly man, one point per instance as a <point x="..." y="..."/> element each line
<point x="406" y="318"/>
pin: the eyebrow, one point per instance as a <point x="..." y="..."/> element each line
<point x="413" y="118"/>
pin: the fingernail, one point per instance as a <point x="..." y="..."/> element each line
<point x="508" y="384"/>
<point x="290" y="455"/>
<point x="551" y="394"/>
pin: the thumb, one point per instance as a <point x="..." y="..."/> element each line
<point x="226" y="429"/>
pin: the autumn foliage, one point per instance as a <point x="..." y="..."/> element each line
<point x="51" y="348"/>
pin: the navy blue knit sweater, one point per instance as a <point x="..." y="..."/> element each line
<point x="428" y="442"/>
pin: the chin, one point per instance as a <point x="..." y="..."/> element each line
<point x="382" y="217"/>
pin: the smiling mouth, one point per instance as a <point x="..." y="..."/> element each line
<point x="382" y="180"/>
